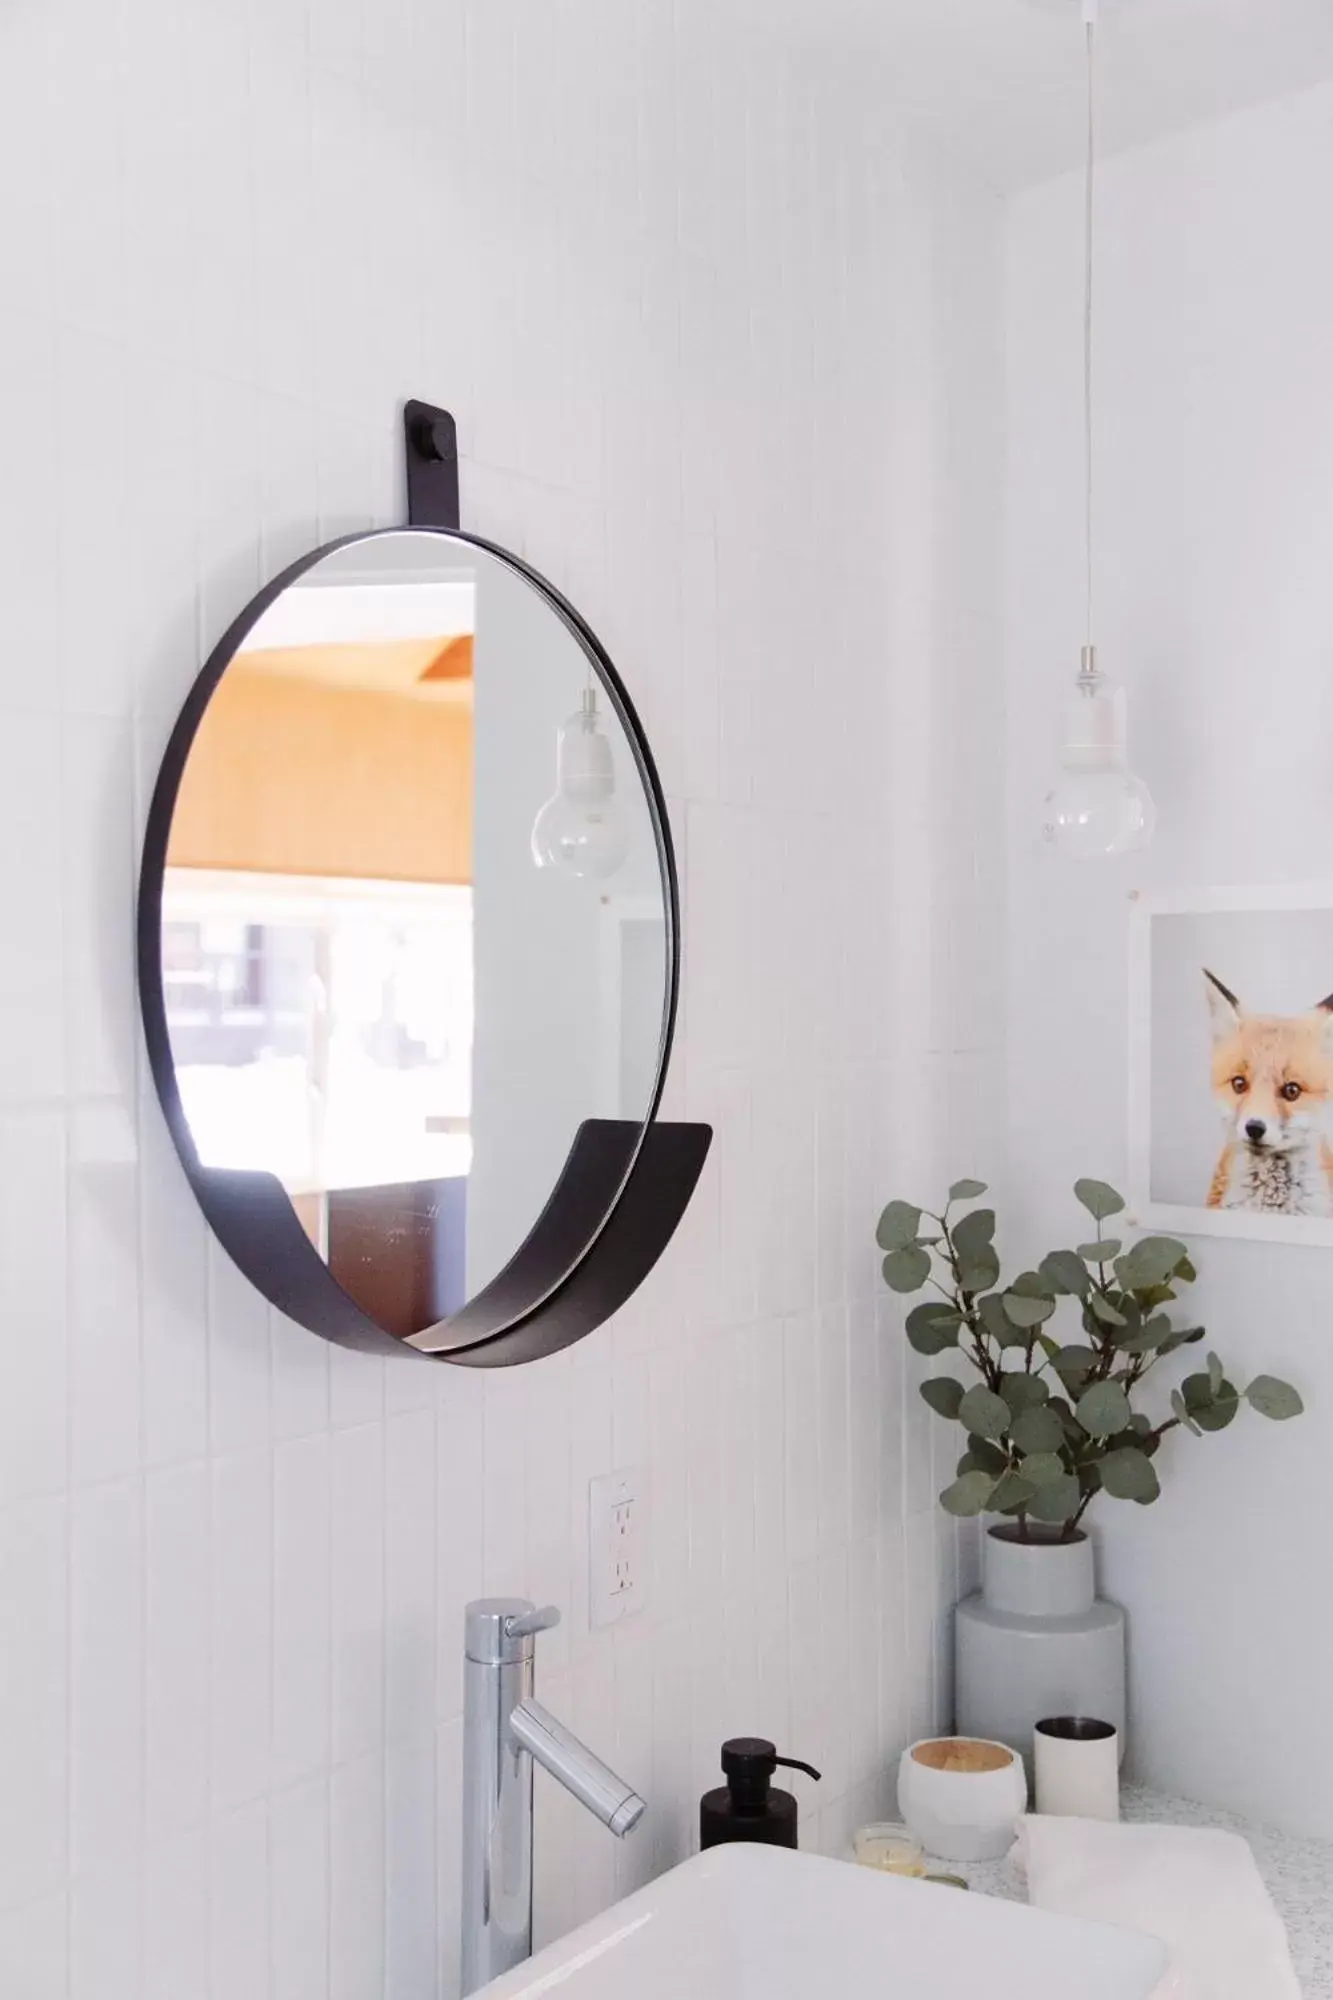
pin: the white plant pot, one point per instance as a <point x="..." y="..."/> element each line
<point x="1037" y="1641"/>
<point x="962" y="1815"/>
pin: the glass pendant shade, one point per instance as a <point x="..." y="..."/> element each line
<point x="580" y="829"/>
<point x="1096" y="807"/>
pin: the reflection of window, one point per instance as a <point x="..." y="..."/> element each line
<point x="232" y="988"/>
<point x="321" y="1029"/>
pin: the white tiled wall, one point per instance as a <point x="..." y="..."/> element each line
<point x="725" y="364"/>
<point x="1216" y="610"/>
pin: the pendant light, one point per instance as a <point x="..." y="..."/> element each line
<point x="1096" y="806"/>
<point x="581" y="829"/>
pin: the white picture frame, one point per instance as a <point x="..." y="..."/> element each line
<point x="1201" y="915"/>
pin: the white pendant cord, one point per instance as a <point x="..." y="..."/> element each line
<point x="1089" y="223"/>
<point x="1097" y="808"/>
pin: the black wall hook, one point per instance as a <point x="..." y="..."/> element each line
<point x="430" y="440"/>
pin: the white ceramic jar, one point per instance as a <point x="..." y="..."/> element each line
<point x="961" y="1796"/>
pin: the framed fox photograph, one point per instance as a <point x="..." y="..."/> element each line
<point x="1231" y="1063"/>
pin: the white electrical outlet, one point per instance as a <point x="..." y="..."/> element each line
<point x="616" y="1547"/>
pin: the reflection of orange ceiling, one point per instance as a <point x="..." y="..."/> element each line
<point x="429" y="669"/>
<point x="289" y="778"/>
<point x="453" y="662"/>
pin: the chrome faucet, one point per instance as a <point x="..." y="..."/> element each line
<point x="503" y="1730"/>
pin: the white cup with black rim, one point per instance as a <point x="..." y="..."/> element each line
<point x="1077" y="1764"/>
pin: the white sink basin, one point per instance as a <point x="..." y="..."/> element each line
<point x="763" y="1923"/>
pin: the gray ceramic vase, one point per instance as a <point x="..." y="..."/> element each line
<point x="1036" y="1641"/>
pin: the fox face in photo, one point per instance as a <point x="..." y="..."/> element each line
<point x="1272" y="1073"/>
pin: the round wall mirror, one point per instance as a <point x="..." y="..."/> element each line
<point x="408" y="939"/>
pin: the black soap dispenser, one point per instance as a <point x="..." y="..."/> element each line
<point x="747" y="1807"/>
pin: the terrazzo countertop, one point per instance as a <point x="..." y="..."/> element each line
<point x="1299" y="1875"/>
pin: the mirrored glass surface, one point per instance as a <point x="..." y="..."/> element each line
<point x="414" y="929"/>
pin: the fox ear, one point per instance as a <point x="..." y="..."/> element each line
<point x="1323" y="1006"/>
<point x="1223" y="1006"/>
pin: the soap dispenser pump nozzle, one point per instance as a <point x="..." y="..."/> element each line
<point x="747" y="1807"/>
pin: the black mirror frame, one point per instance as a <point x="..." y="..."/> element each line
<point x="624" y="1186"/>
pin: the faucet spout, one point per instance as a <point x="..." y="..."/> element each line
<point x="559" y="1751"/>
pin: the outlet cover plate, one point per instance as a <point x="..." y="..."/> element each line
<point x="616" y="1546"/>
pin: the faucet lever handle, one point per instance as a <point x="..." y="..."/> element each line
<point x="524" y="1624"/>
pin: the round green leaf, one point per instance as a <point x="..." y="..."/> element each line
<point x="1065" y="1272"/>
<point x="987" y="1457"/>
<point x="906" y="1270"/>
<point x="1103" y="1252"/>
<point x="899" y="1225"/>
<point x="979" y="1273"/>
<point x="1223" y="1409"/>
<point x="1073" y="1364"/>
<point x="1151" y="1261"/>
<point x="985" y="1413"/>
<point x="1103" y="1410"/>
<point x="1152" y="1296"/>
<point x="943" y="1394"/>
<point x="1043" y="1466"/>
<point x="1102" y="1309"/>
<point x="1023" y="1392"/>
<point x="1038" y="1430"/>
<point x="1174" y="1341"/>
<point x="997" y="1321"/>
<point x="974" y="1246"/>
<point x="1026" y="1313"/>
<point x="1099" y="1199"/>
<point x="1153" y="1334"/>
<point x="969" y="1495"/>
<point x="1057" y="1501"/>
<point x="1180" y="1411"/>
<point x="1197" y="1391"/>
<point x="1273" y="1398"/>
<point x="1129" y="1474"/>
<point x="1013" y="1491"/>
<point x="966" y="1190"/>
<point x="933" y="1327"/>
<point x="991" y="1308"/>
<point x="974" y="1232"/>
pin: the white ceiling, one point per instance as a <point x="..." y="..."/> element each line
<point x="1000" y="81"/>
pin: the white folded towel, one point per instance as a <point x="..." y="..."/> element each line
<point x="1195" y="1888"/>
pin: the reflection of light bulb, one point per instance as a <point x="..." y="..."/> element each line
<point x="580" y="828"/>
<point x="1096" y="806"/>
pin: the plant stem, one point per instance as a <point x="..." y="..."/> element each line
<point x="964" y="1303"/>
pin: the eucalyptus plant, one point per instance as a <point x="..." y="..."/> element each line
<point x="1051" y="1422"/>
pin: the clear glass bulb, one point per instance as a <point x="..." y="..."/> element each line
<point x="581" y="828"/>
<point x="584" y="839"/>
<point x="1096" y="807"/>
<point x="1092" y="814"/>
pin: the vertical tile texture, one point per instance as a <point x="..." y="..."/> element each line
<point x="724" y="351"/>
